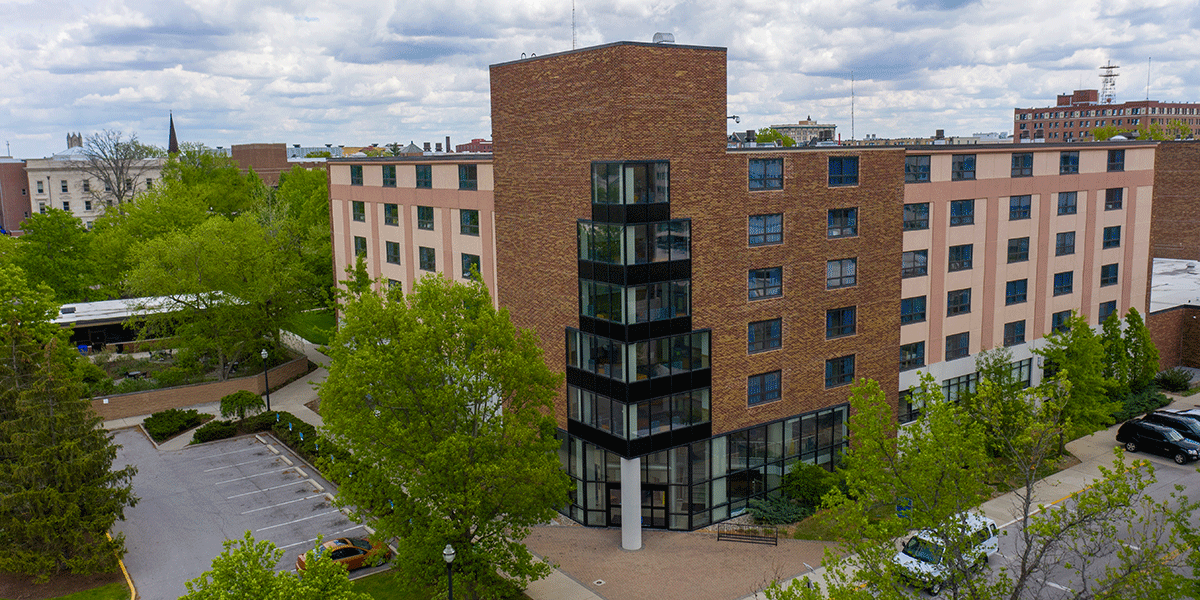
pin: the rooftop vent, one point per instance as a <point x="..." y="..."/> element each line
<point x="68" y="310"/>
<point x="664" y="38"/>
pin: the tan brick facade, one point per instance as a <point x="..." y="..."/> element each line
<point x="1175" y="225"/>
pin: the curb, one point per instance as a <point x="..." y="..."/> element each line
<point x="125" y="572"/>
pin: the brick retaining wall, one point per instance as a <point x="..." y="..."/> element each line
<point x="143" y="403"/>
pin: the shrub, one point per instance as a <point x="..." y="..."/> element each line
<point x="1139" y="403"/>
<point x="214" y="430"/>
<point x="166" y="424"/>
<point x="777" y="511"/>
<point x="173" y="376"/>
<point x="807" y="483"/>
<point x="1174" y="379"/>
<point x="134" y="385"/>
<point x="239" y="403"/>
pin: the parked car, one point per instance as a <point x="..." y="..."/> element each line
<point x="351" y="553"/>
<point x="1187" y="427"/>
<point x="923" y="561"/>
<point x="1141" y="435"/>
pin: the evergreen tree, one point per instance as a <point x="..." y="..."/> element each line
<point x="1116" y="364"/>
<point x="1143" y="356"/>
<point x="59" y="495"/>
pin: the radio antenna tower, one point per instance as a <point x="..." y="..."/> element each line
<point x="572" y="24"/>
<point x="1108" y="86"/>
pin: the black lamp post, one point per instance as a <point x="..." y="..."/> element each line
<point x="448" y="556"/>
<point x="266" y="382"/>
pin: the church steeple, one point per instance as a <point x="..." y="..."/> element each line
<point x="173" y="143"/>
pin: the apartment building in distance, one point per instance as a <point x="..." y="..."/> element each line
<point x="711" y="305"/>
<point x="413" y="215"/>
<point x="1075" y="115"/>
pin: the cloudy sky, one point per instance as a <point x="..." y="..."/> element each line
<point x="356" y="72"/>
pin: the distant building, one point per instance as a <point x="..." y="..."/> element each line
<point x="476" y="145"/>
<point x="14" y="195"/>
<point x="808" y="131"/>
<point x="269" y="160"/>
<point x="1077" y="114"/>
<point x="939" y="138"/>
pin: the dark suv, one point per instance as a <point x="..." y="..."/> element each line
<point x="1140" y="435"/>
<point x="1187" y="427"/>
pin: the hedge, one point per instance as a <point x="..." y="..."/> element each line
<point x="300" y="436"/>
<point x="169" y="423"/>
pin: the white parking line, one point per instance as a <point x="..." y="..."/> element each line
<point x="253" y="476"/>
<point x="239" y="464"/>
<point x="275" y="487"/>
<point x="224" y="453"/>
<point x="282" y="503"/>
<point x="1055" y="585"/>
<point x="351" y="529"/>
<point x="298" y="520"/>
<point x="297" y="544"/>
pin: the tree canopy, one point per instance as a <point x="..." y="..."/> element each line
<point x="56" y="250"/>
<point x="1076" y="353"/>
<point x="443" y="404"/>
<point x="117" y="163"/>
<point x="766" y="135"/>
<point x="245" y="570"/>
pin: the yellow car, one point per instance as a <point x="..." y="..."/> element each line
<point x="351" y="553"/>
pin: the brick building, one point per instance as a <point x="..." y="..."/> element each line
<point x="1075" y="115"/>
<point x="14" y="195"/>
<point x="1175" y="226"/>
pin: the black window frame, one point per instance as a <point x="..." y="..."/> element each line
<point x="958" y="167"/>
<point x="962" y="212"/>
<point x="916" y="216"/>
<point x="468" y="226"/>
<point x="425" y="218"/>
<point x="1116" y="161"/>
<point x="1114" y="198"/>
<point x="392" y="252"/>
<point x="389" y="175"/>
<point x="1058" y="320"/>
<point x="915" y="312"/>
<point x="424" y="177"/>
<point x="468" y="177"/>
<point x="767" y="237"/>
<point x="912" y="356"/>
<point x="391" y="214"/>
<point x="915" y="268"/>
<point x="1068" y="162"/>
<point x="764" y="178"/>
<point x="842" y="223"/>
<point x="961" y="257"/>
<point x="758" y="281"/>
<point x="468" y="261"/>
<point x="1018" y="250"/>
<point x="958" y="302"/>
<point x="1064" y="243"/>
<point x="839" y="371"/>
<point x="842" y="280"/>
<point x="907" y="411"/>
<point x="1022" y="164"/>
<point x="766" y="392"/>
<point x="358" y="211"/>
<point x="427" y="259"/>
<point x="841" y="322"/>
<point x="356" y="175"/>
<point x="916" y="168"/>
<point x="1064" y="283"/>
<point x="764" y="336"/>
<point x="360" y="246"/>
<point x="1105" y="310"/>
<point x="847" y="171"/>
<point x="1020" y="207"/>
<point x="1112" y="237"/>
<point x="1016" y="292"/>
<point x="1068" y="203"/>
<point x="1109" y="274"/>
<point x="958" y="346"/>
<point x="1014" y="333"/>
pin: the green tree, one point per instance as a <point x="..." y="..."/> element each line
<point x="1116" y="358"/>
<point x="296" y="217"/>
<point x="228" y="289"/>
<point x="56" y="251"/>
<point x="59" y="495"/>
<point x="767" y="135"/>
<point x="239" y="403"/>
<point x="995" y="367"/>
<point x="245" y="570"/>
<point x="319" y="154"/>
<point x="1173" y="130"/>
<point x="444" y="405"/>
<point x="214" y="181"/>
<point x="1103" y="133"/>
<point x="1141" y="352"/>
<point x="1076" y="354"/>
<point x="118" y="165"/>
<point x="394" y="148"/>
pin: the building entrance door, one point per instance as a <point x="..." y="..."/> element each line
<point x="653" y="509"/>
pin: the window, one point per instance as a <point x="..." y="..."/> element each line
<point x="630" y="183"/>
<point x="914" y="263"/>
<point x="843" y="170"/>
<point x="360" y="246"/>
<point x="916" y="169"/>
<point x="960" y="257"/>
<point x="63" y="183"/>
<point x="1022" y="164"/>
<point x="1108" y="275"/>
<point x="149" y="183"/>
<point x="1064" y="283"/>
<point x="839" y="322"/>
<point x="355" y="174"/>
<point x="1068" y="162"/>
<point x="962" y="167"/>
<point x="1114" y="198"/>
<point x="1016" y="292"/>
<point x="358" y="211"/>
<point x="424" y="176"/>
<point x="393" y="283"/>
<point x="468" y="177"/>
<point x="1106" y="309"/>
<point x="765" y="283"/>
<point x="470" y="262"/>
<point x="1018" y="249"/>
<point x="912" y="356"/>
<point x="841" y="273"/>
<point x="962" y="212"/>
<point x="468" y="222"/>
<point x="766" y="229"/>
<point x="87" y="185"/>
<point x="1019" y="207"/>
<point x="839" y="371"/>
<point x="1014" y="333"/>
<point x="1058" y="321"/>
<point x="389" y="175"/>
<point x="425" y="217"/>
<point x="908" y="410"/>
<point x="953" y="388"/>
<point x="391" y="214"/>
<point x="1064" y="243"/>
<point x="763" y="388"/>
<point x="843" y="222"/>
<point x="428" y="258"/>
<point x="912" y="310"/>
<point x="66" y="206"/>
<point x="393" y="252"/>
<point x="764" y="335"/>
<point x="42" y="207"/>
<point x="916" y="216"/>
<point x="1116" y="160"/>
<point x="87" y="205"/>
<point x="766" y="174"/>
<point x="1112" y="237"/>
<point x="1067" y="203"/>
<point x="958" y="302"/>
<point x="107" y="187"/>
<point x="958" y="346"/>
<point x="40" y="189"/>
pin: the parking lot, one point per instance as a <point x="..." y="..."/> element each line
<point x="192" y="500"/>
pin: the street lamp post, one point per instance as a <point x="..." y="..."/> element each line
<point x="266" y="382"/>
<point x="448" y="556"/>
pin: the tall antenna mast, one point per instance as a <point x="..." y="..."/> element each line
<point x="1148" y="78"/>
<point x="572" y="24"/>
<point x="1108" y="87"/>
<point x="851" y="104"/>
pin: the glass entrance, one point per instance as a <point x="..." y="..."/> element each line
<point x="654" y="506"/>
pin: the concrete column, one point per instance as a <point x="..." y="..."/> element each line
<point x="631" y="504"/>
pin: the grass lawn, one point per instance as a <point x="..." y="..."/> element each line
<point x="112" y="591"/>
<point x="316" y="326"/>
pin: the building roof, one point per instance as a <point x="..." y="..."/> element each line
<point x="107" y="312"/>
<point x="1174" y="282"/>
